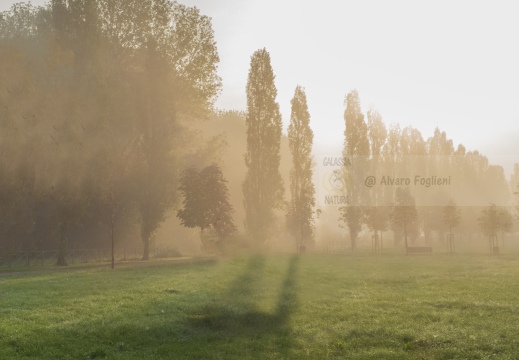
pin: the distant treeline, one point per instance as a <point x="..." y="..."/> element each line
<point x="437" y="176"/>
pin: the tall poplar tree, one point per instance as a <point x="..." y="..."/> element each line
<point x="517" y="203"/>
<point x="376" y="215"/>
<point x="300" y="213"/>
<point x="356" y="149"/>
<point x="263" y="185"/>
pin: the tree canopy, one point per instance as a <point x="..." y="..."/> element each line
<point x="110" y="89"/>
<point x="300" y="214"/>
<point x="263" y="186"/>
<point x="205" y="203"/>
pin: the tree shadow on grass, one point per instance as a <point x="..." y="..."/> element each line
<point x="174" y="322"/>
<point x="237" y="317"/>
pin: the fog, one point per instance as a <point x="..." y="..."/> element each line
<point x="122" y="132"/>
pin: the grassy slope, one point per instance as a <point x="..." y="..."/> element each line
<point x="315" y="307"/>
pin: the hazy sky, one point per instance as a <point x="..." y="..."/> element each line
<point x="451" y="64"/>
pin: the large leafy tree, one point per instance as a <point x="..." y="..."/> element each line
<point x="48" y="117"/>
<point x="300" y="215"/>
<point x="505" y="223"/>
<point x="514" y="184"/>
<point x="494" y="219"/>
<point x="112" y="84"/>
<point x="205" y="203"/>
<point x="451" y="218"/>
<point x="156" y="170"/>
<point x="172" y="66"/>
<point x="263" y="185"/>
<point x="517" y="202"/>
<point x="405" y="214"/>
<point x="356" y="149"/>
<point x="489" y="222"/>
<point x="17" y="103"/>
<point x="451" y="215"/>
<point x="146" y="73"/>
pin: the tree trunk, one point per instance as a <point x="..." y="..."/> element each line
<point x="146" y="235"/>
<point x="353" y="237"/>
<point x="113" y="257"/>
<point x="374" y="242"/>
<point x="146" y="253"/>
<point x="427" y="233"/>
<point x="62" y="261"/>
<point x="441" y="237"/>
<point x="301" y="238"/>
<point x="202" y="239"/>
<point x="405" y="236"/>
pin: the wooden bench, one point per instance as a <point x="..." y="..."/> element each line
<point x="419" y="250"/>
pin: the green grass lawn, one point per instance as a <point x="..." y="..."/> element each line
<point x="365" y="306"/>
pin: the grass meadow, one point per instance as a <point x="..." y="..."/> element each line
<point x="314" y="306"/>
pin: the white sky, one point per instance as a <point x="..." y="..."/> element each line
<point x="451" y="64"/>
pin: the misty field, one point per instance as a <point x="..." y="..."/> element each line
<point x="386" y="306"/>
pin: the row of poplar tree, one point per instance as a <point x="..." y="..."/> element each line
<point x="420" y="211"/>
<point x="369" y="148"/>
<point x="205" y="195"/>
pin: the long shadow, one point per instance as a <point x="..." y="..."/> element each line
<point x="230" y="325"/>
<point x="237" y="315"/>
<point x="238" y="299"/>
<point x="287" y="301"/>
<point x="246" y="285"/>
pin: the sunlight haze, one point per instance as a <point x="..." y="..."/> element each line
<point x="244" y="179"/>
<point x="451" y="65"/>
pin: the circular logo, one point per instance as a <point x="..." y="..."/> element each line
<point x="337" y="180"/>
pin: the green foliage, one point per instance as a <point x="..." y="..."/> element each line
<point x="517" y="192"/>
<point x="195" y="58"/>
<point x="489" y="220"/>
<point x="404" y="214"/>
<point x="505" y="220"/>
<point x="300" y="214"/>
<point x="97" y="92"/>
<point x="356" y="132"/>
<point x="377" y="132"/>
<point x="206" y="204"/>
<point x="263" y="185"/>
<point x="356" y="150"/>
<point x="22" y="21"/>
<point x="493" y="220"/>
<point x="376" y="216"/>
<point x="451" y="215"/>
